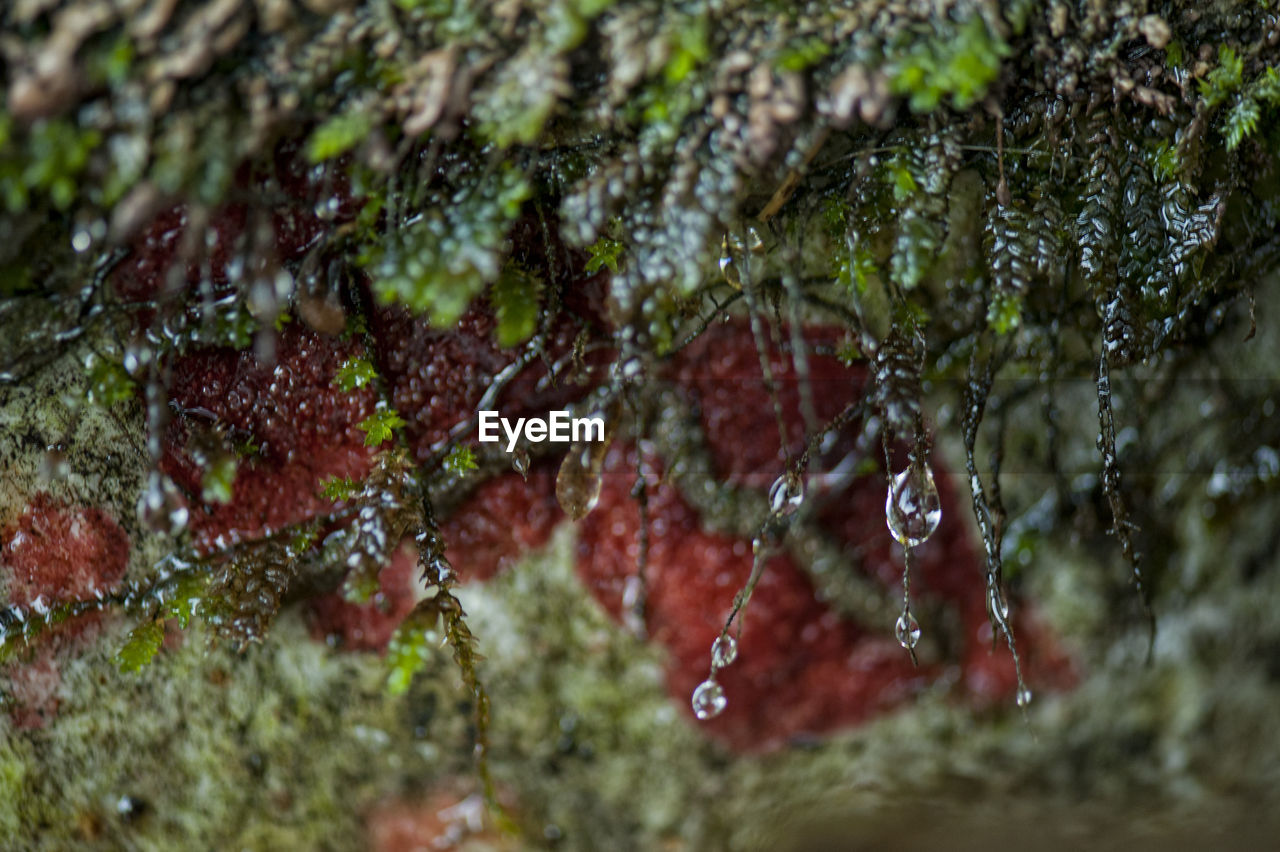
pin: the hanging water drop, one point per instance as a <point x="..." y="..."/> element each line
<point x="579" y="481"/>
<point x="735" y="246"/>
<point x="520" y="462"/>
<point x="907" y="631"/>
<point x="708" y="700"/>
<point x="724" y="651"/>
<point x="581" y="473"/>
<point x="786" y="494"/>
<point x="912" y="508"/>
<point x="1024" y="696"/>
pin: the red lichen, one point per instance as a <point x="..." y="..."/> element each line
<point x="304" y="428"/>
<point x="503" y="520"/>
<point x="56" y="554"/>
<point x="368" y="626"/>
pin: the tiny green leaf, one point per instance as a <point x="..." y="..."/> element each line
<point x="143" y="643"/>
<point x="355" y="373"/>
<point x="460" y="460"/>
<point x="380" y="426"/>
<point x="604" y="252"/>
<point x="338" y="135"/>
<point x="218" y="479"/>
<point x="339" y="488"/>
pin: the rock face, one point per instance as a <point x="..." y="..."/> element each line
<point x="261" y="264"/>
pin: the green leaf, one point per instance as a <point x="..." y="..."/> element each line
<point x="355" y="373"/>
<point x="141" y="647"/>
<point x="1240" y="121"/>
<point x="460" y="460"/>
<point x="338" y="135"/>
<point x="218" y="480"/>
<point x="604" y="252"/>
<point x="516" y="297"/>
<point x="339" y="488"/>
<point x="1004" y="314"/>
<point x="410" y="647"/>
<point x="380" y="426"/>
<point x="1224" y="79"/>
<point x="108" y="382"/>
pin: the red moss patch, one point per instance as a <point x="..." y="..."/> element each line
<point x="54" y="554"/>
<point x="368" y="626"/>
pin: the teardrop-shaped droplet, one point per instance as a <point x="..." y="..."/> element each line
<point x="912" y="509"/>
<point x="520" y="462"/>
<point x="728" y="268"/>
<point x="996" y="603"/>
<point x="708" y="700"/>
<point x="733" y="248"/>
<point x="907" y="630"/>
<point x="1024" y="696"/>
<point x="786" y="494"/>
<point x="579" y="481"/>
<point x="724" y="651"/>
<point x="581" y="473"/>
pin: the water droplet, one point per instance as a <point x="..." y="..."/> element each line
<point x="81" y="240"/>
<point x="1024" y="696"/>
<point x="996" y="604"/>
<point x="724" y="651"/>
<point x="581" y="473"/>
<point x="708" y="700"/>
<point x="907" y="630"/>
<point x="520" y="462"/>
<point x="579" y="481"/>
<point x="735" y="246"/>
<point x="786" y="494"/>
<point x="912" y="508"/>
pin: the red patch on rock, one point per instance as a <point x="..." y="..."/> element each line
<point x="56" y="554"/>
<point x="503" y="520"/>
<point x="304" y="427"/>
<point x="368" y="626"/>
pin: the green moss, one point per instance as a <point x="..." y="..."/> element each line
<point x="516" y="298"/>
<point x="957" y="63"/>
<point x="439" y="262"/>
<point x="380" y="426"/>
<point x="338" y="135"/>
<point x="355" y="373"/>
<point x="460" y="460"/>
<point x="143" y="643"/>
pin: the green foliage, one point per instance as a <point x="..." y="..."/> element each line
<point x="218" y="479"/>
<point x="689" y="49"/>
<point x="338" y="135"/>
<point x="47" y="162"/>
<point x="1004" y="314"/>
<point x="410" y="646"/>
<point x="802" y="54"/>
<point x="355" y="373"/>
<point x="460" y="460"/>
<point x="958" y="65"/>
<point x="108" y="382"/>
<point x="380" y="426"/>
<point x="339" y="488"/>
<point x="440" y="261"/>
<point x="1165" y="163"/>
<point x="516" y="297"/>
<point x="604" y="253"/>
<point x="1224" y="79"/>
<point x="141" y="647"/>
<point x="1241" y="120"/>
